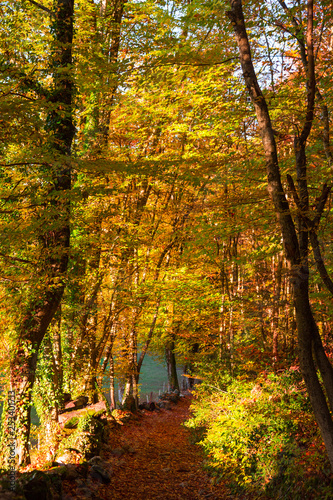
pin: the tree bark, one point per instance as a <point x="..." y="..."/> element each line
<point x="171" y="365"/>
<point x="295" y="248"/>
<point x="52" y="267"/>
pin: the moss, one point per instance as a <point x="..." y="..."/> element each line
<point x="87" y="438"/>
<point x="99" y="413"/>
<point x="71" y="423"/>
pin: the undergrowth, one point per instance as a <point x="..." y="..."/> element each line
<point x="260" y="437"/>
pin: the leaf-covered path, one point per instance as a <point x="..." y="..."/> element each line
<point x="152" y="458"/>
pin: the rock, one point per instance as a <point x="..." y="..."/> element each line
<point x="97" y="460"/>
<point x="170" y="396"/>
<point x="68" y="456"/>
<point x="5" y="488"/>
<point x="71" y="423"/>
<point x="72" y="472"/>
<point x="122" y="416"/>
<point x="100" y="413"/>
<point x="80" y="402"/>
<point x="60" y="470"/>
<point x="83" y="469"/>
<point x="66" y="397"/>
<point x="86" y="439"/>
<point x="118" y="452"/>
<point x="70" y="406"/>
<point x="166" y="405"/>
<point x="41" y="486"/>
<point x="99" y="473"/>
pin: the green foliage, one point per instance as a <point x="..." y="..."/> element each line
<point x="45" y="394"/>
<point x="86" y="438"/>
<point x="168" y="201"/>
<point x="260" y="436"/>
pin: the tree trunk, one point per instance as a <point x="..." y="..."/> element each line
<point x="52" y="267"/>
<point x="57" y="359"/>
<point x="112" y="390"/>
<point x="171" y="365"/>
<point x="296" y="249"/>
<point x="276" y="308"/>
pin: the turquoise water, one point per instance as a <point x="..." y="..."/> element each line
<point x="153" y="379"/>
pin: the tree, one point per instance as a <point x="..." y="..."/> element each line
<point x="52" y="243"/>
<point x="295" y="234"/>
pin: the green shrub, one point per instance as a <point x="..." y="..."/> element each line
<point x="260" y="436"/>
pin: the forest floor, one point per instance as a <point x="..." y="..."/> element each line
<point x="152" y="457"/>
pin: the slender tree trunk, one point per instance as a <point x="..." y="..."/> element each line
<point x="276" y="270"/>
<point x="112" y="389"/>
<point x="57" y="357"/>
<point x="171" y="365"/>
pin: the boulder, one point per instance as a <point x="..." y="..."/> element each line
<point x="60" y="470"/>
<point x="118" y="452"/>
<point x="67" y="456"/>
<point x="66" y="397"/>
<point x="100" y="474"/>
<point x="72" y="472"/>
<point x="80" y="402"/>
<point x="121" y="416"/>
<point x="42" y="486"/>
<point x="86" y="439"/>
<point x="71" y="423"/>
<point x="97" y="460"/>
<point x="166" y="405"/>
<point x="171" y="397"/>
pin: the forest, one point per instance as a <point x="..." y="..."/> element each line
<point x="165" y="189"/>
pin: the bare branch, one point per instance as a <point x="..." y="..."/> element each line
<point x="293" y="191"/>
<point x="16" y="259"/>
<point x="321" y="202"/>
<point x="320" y="262"/>
<point x="40" y="6"/>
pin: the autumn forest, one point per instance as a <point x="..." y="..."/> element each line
<point x="165" y="190"/>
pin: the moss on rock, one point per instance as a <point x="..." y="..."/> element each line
<point x="87" y="438"/>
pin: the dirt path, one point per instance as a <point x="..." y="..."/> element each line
<point x="158" y="463"/>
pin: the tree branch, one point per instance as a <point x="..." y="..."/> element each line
<point x="293" y="191"/>
<point x="320" y="262"/>
<point x="40" y="6"/>
<point x="16" y="259"/>
<point x="275" y="187"/>
<point x="321" y="205"/>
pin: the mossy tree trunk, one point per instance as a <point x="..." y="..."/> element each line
<point x="54" y="235"/>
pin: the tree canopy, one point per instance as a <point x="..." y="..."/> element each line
<point x="165" y="188"/>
